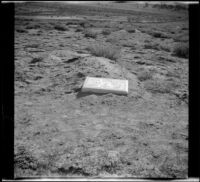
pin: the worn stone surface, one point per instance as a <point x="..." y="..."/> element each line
<point x="105" y="85"/>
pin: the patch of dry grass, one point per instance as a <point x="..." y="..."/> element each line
<point x="60" y="27"/>
<point x="113" y="40"/>
<point x="89" y="33"/>
<point x="21" y="30"/>
<point x="181" y="50"/>
<point x="183" y="37"/>
<point x="79" y="29"/>
<point x="151" y="46"/>
<point x="85" y="24"/>
<point x="130" y="19"/>
<point x="129" y="43"/>
<point x="158" y="34"/>
<point x="156" y="46"/>
<point x="33" y="26"/>
<point x="157" y="86"/>
<point x="144" y="75"/>
<point x="130" y="30"/>
<point x="109" y="52"/>
<point x="106" y="32"/>
<point x="165" y="48"/>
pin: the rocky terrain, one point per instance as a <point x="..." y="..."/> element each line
<point x="60" y="131"/>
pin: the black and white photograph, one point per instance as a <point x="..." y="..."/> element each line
<point x="101" y="89"/>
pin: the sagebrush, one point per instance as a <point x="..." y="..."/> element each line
<point x="109" y="52"/>
<point x="90" y="33"/>
<point x="181" y="50"/>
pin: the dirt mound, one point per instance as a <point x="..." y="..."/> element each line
<point x="64" y="71"/>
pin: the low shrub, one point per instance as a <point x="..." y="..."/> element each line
<point x="60" y="27"/>
<point x="21" y="30"/>
<point x="129" y="43"/>
<point x="90" y="33"/>
<point x="147" y="41"/>
<point x="33" y="45"/>
<point x="165" y="48"/>
<point x="156" y="46"/>
<point x="48" y="26"/>
<point x="33" y="26"/>
<point x="109" y="52"/>
<point x="71" y="23"/>
<point x="79" y="29"/>
<point x="158" y="86"/>
<point x="130" y="19"/>
<point x="151" y="46"/>
<point x="144" y="75"/>
<point x="180" y="7"/>
<point x="130" y="30"/>
<point x="184" y="28"/>
<point x="171" y="7"/>
<point x="106" y="32"/>
<point x="159" y="34"/>
<point x="85" y="24"/>
<point x="181" y="38"/>
<point x="39" y="32"/>
<point x="181" y="50"/>
<point x="113" y="40"/>
<point x="36" y="60"/>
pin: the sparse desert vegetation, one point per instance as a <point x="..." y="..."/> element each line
<point x="61" y="132"/>
<point x="145" y="75"/>
<point x="90" y="33"/>
<point x="175" y="7"/>
<point x="60" y="27"/>
<point x="181" y="50"/>
<point x="130" y="30"/>
<point x="159" y="86"/>
<point x="157" y="34"/>
<point x="106" y="32"/>
<point x="151" y="46"/>
<point x="109" y="52"/>
<point x="21" y="30"/>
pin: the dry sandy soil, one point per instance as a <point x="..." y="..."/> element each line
<point x="61" y="132"/>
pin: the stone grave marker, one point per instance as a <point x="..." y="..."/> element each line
<point x="105" y="85"/>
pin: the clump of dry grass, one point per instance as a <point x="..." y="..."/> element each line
<point x="89" y="33"/>
<point x="36" y="60"/>
<point x="113" y="40"/>
<point x="33" y="26"/>
<point x="165" y="48"/>
<point x="181" y="50"/>
<point x="156" y="46"/>
<point x="79" y="29"/>
<point x="157" y="86"/>
<point x="183" y="37"/>
<point x="130" y="19"/>
<point x="157" y="34"/>
<point x="170" y="6"/>
<point x="130" y="30"/>
<point x="106" y="32"/>
<point x="129" y="43"/>
<point x="21" y="30"/>
<point x="85" y="24"/>
<point x="90" y="165"/>
<point x="144" y="75"/>
<point x="109" y="52"/>
<point x="60" y="27"/>
<point x="151" y="46"/>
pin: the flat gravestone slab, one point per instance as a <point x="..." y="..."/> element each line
<point x="105" y="85"/>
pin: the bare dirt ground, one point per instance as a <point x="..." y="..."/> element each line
<point x="61" y="132"/>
